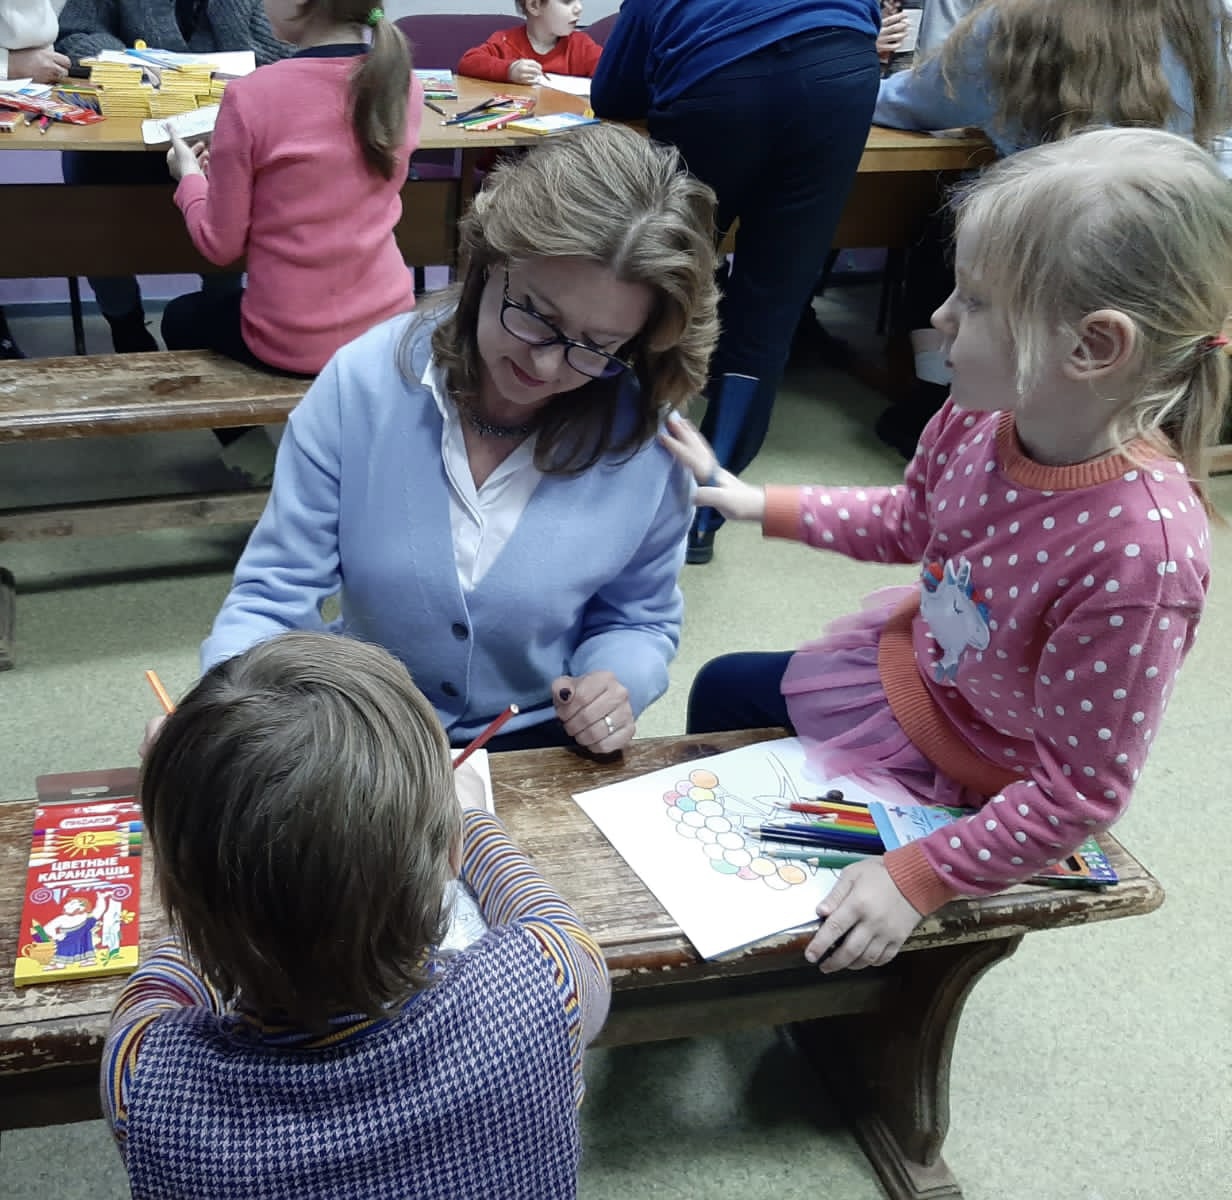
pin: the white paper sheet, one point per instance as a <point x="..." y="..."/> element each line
<point x="575" y="85"/>
<point x="197" y="123"/>
<point x="680" y="829"/>
<point x="226" y="62"/>
<point x="467" y="925"/>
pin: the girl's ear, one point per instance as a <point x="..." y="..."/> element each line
<point x="1107" y="340"/>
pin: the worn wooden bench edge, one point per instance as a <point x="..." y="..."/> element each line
<point x="92" y="395"/>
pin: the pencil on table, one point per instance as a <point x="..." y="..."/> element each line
<point x="482" y="740"/>
<point x="161" y="692"/>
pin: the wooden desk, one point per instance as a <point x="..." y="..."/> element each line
<point x="883" y="1038"/>
<point x="127" y="229"/>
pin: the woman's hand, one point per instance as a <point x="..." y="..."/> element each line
<point x="41" y="63"/>
<point x="868" y="913"/>
<point x="595" y="710"/>
<point x="152" y="726"/>
<point x="182" y="159"/>
<point x="526" y="71"/>
<point x="720" y="489"/>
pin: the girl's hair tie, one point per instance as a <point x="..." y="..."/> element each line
<point x="375" y="16"/>
<point x="1220" y="341"/>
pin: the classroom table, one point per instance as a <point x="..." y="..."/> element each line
<point x="94" y="230"/>
<point x="881" y="1038"/>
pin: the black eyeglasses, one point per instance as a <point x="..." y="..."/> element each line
<point x="528" y="326"/>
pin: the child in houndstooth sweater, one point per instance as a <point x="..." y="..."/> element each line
<point x="298" y="1035"/>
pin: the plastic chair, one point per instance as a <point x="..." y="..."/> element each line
<point x="602" y="28"/>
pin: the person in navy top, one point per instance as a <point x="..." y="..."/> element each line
<point x="769" y="102"/>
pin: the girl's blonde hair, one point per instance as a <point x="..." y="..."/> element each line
<point x="1136" y="220"/>
<point x="1057" y="66"/>
<point x="301" y="809"/>
<point x="380" y="84"/>
<point x="610" y="196"/>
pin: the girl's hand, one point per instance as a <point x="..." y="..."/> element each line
<point x="893" y="31"/>
<point x="526" y="71"/>
<point x="868" y="912"/>
<point x="720" y="489"/>
<point x="182" y="159"/>
<point x="595" y="710"/>
<point x="201" y="151"/>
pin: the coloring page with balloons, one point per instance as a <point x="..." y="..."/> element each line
<point x="689" y="833"/>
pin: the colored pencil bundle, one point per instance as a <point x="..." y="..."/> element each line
<point x="826" y="830"/>
<point x="493" y="113"/>
<point x="83" y="892"/>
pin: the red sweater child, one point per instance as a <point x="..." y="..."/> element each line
<point x="576" y="54"/>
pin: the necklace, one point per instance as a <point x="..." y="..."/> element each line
<point x="490" y="429"/>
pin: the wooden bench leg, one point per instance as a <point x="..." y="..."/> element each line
<point x="889" y="1071"/>
<point x="8" y="620"/>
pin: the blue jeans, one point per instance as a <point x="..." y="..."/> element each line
<point x="739" y="691"/>
<point x="779" y="136"/>
<point x="119" y="295"/>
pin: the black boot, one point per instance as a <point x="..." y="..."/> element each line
<point x="900" y="426"/>
<point x="732" y="426"/>
<point x="129" y="334"/>
<point x="8" y="347"/>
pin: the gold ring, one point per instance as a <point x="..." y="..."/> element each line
<point x="608" y="722"/>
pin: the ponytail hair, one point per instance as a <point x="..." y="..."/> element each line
<point x="379" y="88"/>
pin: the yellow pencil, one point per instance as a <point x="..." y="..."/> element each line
<point x="160" y="691"/>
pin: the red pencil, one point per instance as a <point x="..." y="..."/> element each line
<point x="486" y="736"/>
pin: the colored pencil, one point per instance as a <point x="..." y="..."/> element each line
<point x="825" y="805"/>
<point x="823" y="858"/>
<point x="839" y="821"/>
<point x="161" y="692"/>
<point x="492" y="730"/>
<point x="815" y="836"/>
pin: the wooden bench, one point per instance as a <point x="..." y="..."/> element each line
<point x="882" y="1037"/>
<point x="97" y="395"/>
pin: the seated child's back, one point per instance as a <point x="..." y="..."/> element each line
<point x="299" y="1035"/>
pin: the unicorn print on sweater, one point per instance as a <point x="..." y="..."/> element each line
<point x="955" y="611"/>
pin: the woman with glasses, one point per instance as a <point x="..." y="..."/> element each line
<point x="479" y="481"/>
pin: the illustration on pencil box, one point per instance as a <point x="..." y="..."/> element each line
<point x="956" y="612"/>
<point x="703" y="810"/>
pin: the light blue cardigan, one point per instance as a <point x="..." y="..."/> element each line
<point x="918" y="98"/>
<point x="360" y="505"/>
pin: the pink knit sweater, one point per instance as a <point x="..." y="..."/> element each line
<point x="1056" y="606"/>
<point x="288" y="187"/>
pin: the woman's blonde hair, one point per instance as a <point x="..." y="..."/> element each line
<point x="610" y="196"/>
<point x="1136" y="220"/>
<point x="302" y="814"/>
<point x="1057" y="66"/>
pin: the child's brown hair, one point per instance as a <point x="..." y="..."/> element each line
<point x="302" y="814"/>
<point x="380" y="83"/>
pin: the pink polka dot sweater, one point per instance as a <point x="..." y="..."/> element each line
<point x="1055" y="607"/>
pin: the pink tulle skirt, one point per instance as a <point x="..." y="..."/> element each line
<point x="838" y="706"/>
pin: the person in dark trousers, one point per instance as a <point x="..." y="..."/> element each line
<point x="769" y="102"/>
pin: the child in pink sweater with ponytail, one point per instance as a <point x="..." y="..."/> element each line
<point x="303" y="177"/>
